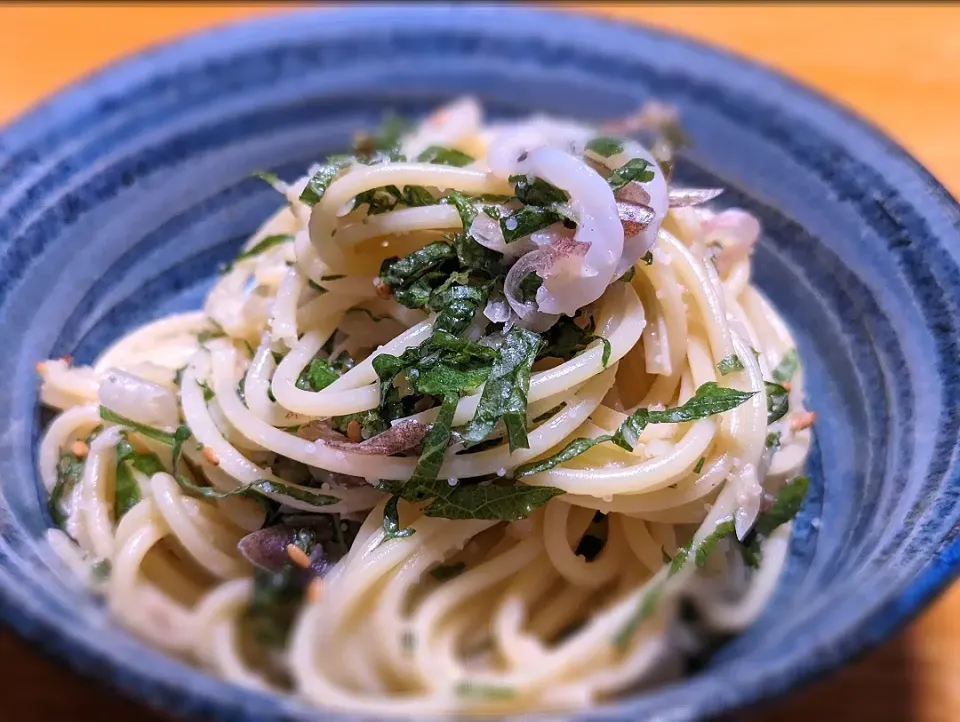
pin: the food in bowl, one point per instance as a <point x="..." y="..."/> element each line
<point x="480" y="420"/>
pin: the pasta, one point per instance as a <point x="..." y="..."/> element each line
<point x="477" y="422"/>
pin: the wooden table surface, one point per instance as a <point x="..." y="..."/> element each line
<point x="897" y="65"/>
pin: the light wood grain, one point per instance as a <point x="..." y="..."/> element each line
<point x="899" y="66"/>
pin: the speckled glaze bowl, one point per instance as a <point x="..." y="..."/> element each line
<point x="120" y="197"/>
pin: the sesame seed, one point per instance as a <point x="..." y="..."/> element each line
<point x="211" y="456"/>
<point x="315" y="590"/>
<point x="79" y="449"/>
<point x="298" y="556"/>
<point x="353" y="431"/>
<point x="802" y="420"/>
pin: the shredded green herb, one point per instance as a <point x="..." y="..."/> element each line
<point x="272" y="179"/>
<point x="785" y="508"/>
<point x="605" y="146"/>
<point x="729" y="364"/>
<point x="477" y="690"/>
<point x="265" y="245"/>
<point x="787" y="367"/>
<point x="391" y="521"/>
<point x="708" y="400"/>
<point x="527" y="291"/>
<point x="536" y="191"/>
<point x="164" y="437"/>
<point x="317" y="375"/>
<point x="101" y="569"/>
<point x="526" y="220"/>
<point x="445" y="156"/>
<point x="215" y="331"/>
<point x="69" y="473"/>
<point x="778" y="402"/>
<point x="321" y="180"/>
<point x="635" y="169"/>
<point x="505" y="392"/>
<point x="503" y="503"/>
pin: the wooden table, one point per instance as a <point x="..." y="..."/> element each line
<point x="899" y="66"/>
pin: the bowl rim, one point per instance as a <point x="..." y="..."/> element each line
<point x="44" y="632"/>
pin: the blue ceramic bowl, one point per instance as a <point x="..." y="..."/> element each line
<point x="120" y="197"/>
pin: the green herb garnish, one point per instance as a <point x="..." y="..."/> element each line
<point x="524" y="221"/>
<point x="707" y="401"/>
<point x="101" y="569"/>
<point x="164" y="437"/>
<point x="505" y="393"/>
<point x="445" y="156"/>
<point x="529" y="285"/>
<point x="216" y="331"/>
<point x="605" y="146"/>
<point x="729" y="364"/>
<point x="69" y="473"/>
<point x="787" y="367"/>
<point x="265" y="245"/>
<point x="784" y="509"/>
<point x="475" y="690"/>
<point x="317" y="375"/>
<point x="536" y="191"/>
<point x="635" y="169"/>
<point x="391" y="521"/>
<point x="778" y="402"/>
<point x="321" y="180"/>
<point x="478" y="501"/>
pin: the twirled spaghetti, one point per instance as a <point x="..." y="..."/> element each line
<point x="462" y="428"/>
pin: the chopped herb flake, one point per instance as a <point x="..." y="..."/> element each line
<point x="537" y="192"/>
<point x="787" y="367"/>
<point x="729" y="364"/>
<point x="501" y="503"/>
<point x="391" y="521"/>
<point x="321" y="180"/>
<point x="605" y="146"/>
<point x="708" y="400"/>
<point x="778" y="402"/>
<point x="505" y="393"/>
<point x="317" y="375"/>
<point x="69" y="473"/>
<point x="635" y="169"/>
<point x="101" y="569"/>
<point x="445" y="156"/>
<point x="265" y="245"/>
<point x="164" y="437"/>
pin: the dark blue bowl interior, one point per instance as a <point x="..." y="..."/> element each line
<point x="120" y="198"/>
